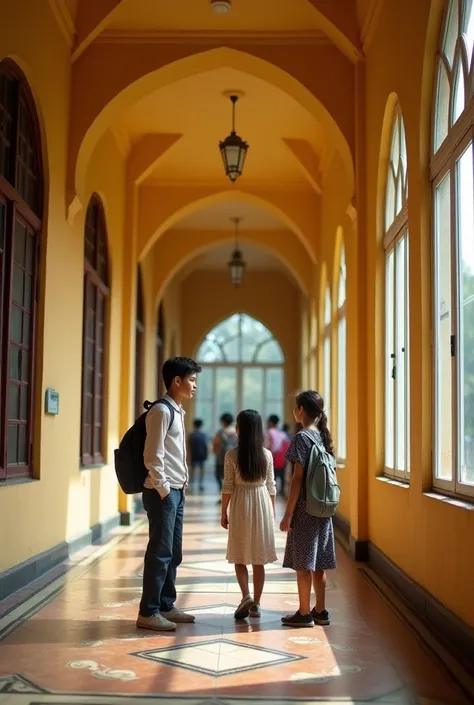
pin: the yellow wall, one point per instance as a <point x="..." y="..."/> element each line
<point x="63" y="501"/>
<point x="267" y="296"/>
<point x="429" y="539"/>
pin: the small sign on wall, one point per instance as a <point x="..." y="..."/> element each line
<point x="52" y="402"/>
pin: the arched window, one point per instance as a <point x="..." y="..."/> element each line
<point x="327" y="350"/>
<point x="341" y="360"/>
<point x="139" y="345"/>
<point x="21" y="210"/>
<point x="160" y="350"/>
<point x="397" y="447"/>
<point x="243" y="368"/>
<point x="453" y="201"/>
<point x="96" y="295"/>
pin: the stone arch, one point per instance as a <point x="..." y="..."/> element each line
<point x="169" y="261"/>
<point x="154" y="222"/>
<point x="121" y="89"/>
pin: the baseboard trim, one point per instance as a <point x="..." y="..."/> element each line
<point x="19" y="576"/>
<point x="342" y="525"/>
<point x="127" y="518"/>
<point x="449" y="629"/>
<point x="358" y="550"/>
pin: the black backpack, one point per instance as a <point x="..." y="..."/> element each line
<point x="129" y="464"/>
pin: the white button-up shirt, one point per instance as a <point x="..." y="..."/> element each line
<point x="165" y="450"/>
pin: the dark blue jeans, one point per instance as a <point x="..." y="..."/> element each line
<point x="164" y="552"/>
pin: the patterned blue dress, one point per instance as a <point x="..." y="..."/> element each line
<point x="310" y="543"/>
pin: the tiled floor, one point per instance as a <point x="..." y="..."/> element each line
<point x="71" y="638"/>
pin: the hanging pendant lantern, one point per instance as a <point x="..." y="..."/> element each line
<point x="233" y="149"/>
<point x="236" y="265"/>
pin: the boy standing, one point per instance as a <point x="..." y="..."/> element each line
<point x="163" y="497"/>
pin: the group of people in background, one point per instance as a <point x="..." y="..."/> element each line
<point x="248" y="462"/>
<point x="276" y="440"/>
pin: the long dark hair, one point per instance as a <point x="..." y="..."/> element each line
<point x="313" y="406"/>
<point x="250" y="454"/>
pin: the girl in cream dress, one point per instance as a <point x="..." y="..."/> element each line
<point x="249" y="487"/>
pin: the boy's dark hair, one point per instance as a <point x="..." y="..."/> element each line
<point x="274" y="419"/>
<point x="198" y="423"/>
<point x="179" y="367"/>
<point x="226" y="419"/>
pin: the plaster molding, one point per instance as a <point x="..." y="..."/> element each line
<point x="370" y="23"/>
<point x="122" y="139"/>
<point x="64" y="20"/>
<point x="293" y="37"/>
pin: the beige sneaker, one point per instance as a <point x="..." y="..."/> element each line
<point x="156" y="622"/>
<point x="255" y="611"/>
<point x="176" y="615"/>
<point x="242" y="611"/>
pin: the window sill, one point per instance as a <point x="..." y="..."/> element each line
<point x="340" y="464"/>
<point x="453" y="501"/>
<point x="99" y="466"/>
<point x="18" y="481"/>
<point x="393" y="481"/>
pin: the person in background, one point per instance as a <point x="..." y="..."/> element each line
<point x="224" y="440"/>
<point x="249" y="486"/>
<point x="277" y="443"/>
<point x="286" y="430"/>
<point x="198" y="452"/>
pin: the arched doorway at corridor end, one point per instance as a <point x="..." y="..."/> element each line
<point x="243" y="368"/>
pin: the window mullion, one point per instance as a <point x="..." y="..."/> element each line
<point x="395" y="361"/>
<point x="7" y="309"/>
<point x="454" y="327"/>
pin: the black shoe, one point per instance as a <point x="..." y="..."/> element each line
<point x="297" y="620"/>
<point x="321" y="618"/>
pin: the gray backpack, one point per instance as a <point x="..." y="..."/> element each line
<point x="322" y="490"/>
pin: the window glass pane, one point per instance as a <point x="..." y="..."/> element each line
<point x="341" y="294"/>
<point x="443" y="323"/>
<point x="401" y="351"/>
<point x="270" y="352"/>
<point x="389" y="360"/>
<point x="226" y="390"/>
<point x="232" y="350"/>
<point x="469" y="31"/>
<point x="209" y="352"/>
<point x="442" y="106"/>
<point x="274" y="388"/>
<point x="452" y="30"/>
<point x="458" y="106"/>
<point x="327" y="374"/>
<point x="341" y="389"/>
<point x="254" y="330"/>
<point x="465" y="208"/>
<point x="390" y="200"/>
<point x="225" y="330"/>
<point x="327" y="307"/>
<point x="274" y="407"/>
<point x="252" y="393"/>
<point x="206" y="383"/>
<point x="205" y="411"/>
<point x="12" y="444"/>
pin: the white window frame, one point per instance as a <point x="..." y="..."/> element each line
<point x="341" y="320"/>
<point x="444" y="161"/>
<point x="240" y="368"/>
<point x="327" y="352"/>
<point x="396" y="231"/>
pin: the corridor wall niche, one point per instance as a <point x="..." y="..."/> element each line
<point x="242" y="368"/>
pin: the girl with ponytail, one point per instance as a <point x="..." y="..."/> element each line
<point x="310" y="549"/>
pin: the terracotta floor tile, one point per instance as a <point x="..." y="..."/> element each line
<point x="84" y="640"/>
